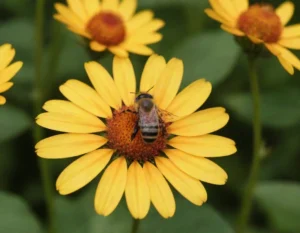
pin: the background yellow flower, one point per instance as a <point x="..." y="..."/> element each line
<point x="112" y="25"/>
<point x="262" y="24"/>
<point x="7" y="70"/>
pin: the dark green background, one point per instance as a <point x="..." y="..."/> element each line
<point x="207" y="52"/>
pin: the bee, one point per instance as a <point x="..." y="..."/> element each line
<point x="149" y="122"/>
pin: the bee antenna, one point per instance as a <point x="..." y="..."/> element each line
<point x="150" y="89"/>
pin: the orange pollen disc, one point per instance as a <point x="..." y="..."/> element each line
<point x="119" y="131"/>
<point x="261" y="22"/>
<point x="106" y="28"/>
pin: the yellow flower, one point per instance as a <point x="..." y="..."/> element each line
<point x="111" y="25"/>
<point x="262" y="24"/>
<point x="7" y="71"/>
<point x="100" y="123"/>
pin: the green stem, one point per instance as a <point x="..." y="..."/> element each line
<point x="38" y="133"/>
<point x="135" y="225"/>
<point x="256" y="159"/>
<point x="55" y="50"/>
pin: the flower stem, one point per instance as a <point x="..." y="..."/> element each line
<point x="256" y="158"/>
<point x="135" y="225"/>
<point x="38" y="133"/>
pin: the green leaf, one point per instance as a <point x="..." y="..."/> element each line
<point x="19" y="33"/>
<point x="188" y="218"/>
<point x="280" y="200"/>
<point x="160" y="3"/>
<point x="15" y="215"/>
<point x="280" y="108"/>
<point x="79" y="216"/>
<point x="13" y="122"/>
<point x="211" y="55"/>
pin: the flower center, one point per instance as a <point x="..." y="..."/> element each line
<point x="261" y="22"/>
<point x="106" y="28"/>
<point x="120" y="129"/>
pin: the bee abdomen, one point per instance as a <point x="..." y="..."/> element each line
<point x="149" y="133"/>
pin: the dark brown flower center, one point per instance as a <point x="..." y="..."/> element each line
<point x="262" y="22"/>
<point x="106" y="28"/>
<point x="119" y="132"/>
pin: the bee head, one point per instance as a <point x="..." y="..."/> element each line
<point x="143" y="96"/>
<point x="144" y="101"/>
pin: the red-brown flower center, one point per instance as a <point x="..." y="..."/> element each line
<point x="119" y="132"/>
<point x="106" y="28"/>
<point x="262" y="22"/>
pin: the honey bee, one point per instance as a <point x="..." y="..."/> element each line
<point x="149" y="121"/>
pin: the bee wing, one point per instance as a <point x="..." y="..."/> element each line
<point x="166" y="116"/>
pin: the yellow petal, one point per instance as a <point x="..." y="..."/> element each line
<point x="68" y="145"/>
<point x="286" y="65"/>
<point x="284" y="53"/>
<point x="153" y="25"/>
<point x="118" y="51"/>
<point x="5" y="86"/>
<point x="291" y="43"/>
<point x="79" y="32"/>
<point x="232" y="30"/>
<point x="273" y="49"/>
<point x="104" y="84"/>
<point x="138" y="49"/>
<point x="200" y="168"/>
<point x="71" y="17"/>
<point x="160" y="192"/>
<point x="190" y="98"/>
<point x="139" y="20"/>
<point x="61" y="19"/>
<point x="73" y="113"/>
<point x="94" y="45"/>
<point x="289" y="56"/>
<point x="255" y="40"/>
<point x="168" y="84"/>
<point x="2" y="100"/>
<point x="241" y="5"/>
<point x="204" y="146"/>
<point x="291" y="31"/>
<point x="200" y="123"/>
<point x="92" y="7"/>
<point x="142" y="38"/>
<point x="85" y="97"/>
<point x="9" y="72"/>
<point x="110" y="4"/>
<point x="68" y="123"/>
<point x="78" y="8"/>
<point x="219" y="9"/>
<point x="285" y="12"/>
<point x="127" y="8"/>
<point x="213" y="15"/>
<point x="82" y="171"/>
<point x="151" y="73"/>
<point x="7" y="53"/>
<point x="111" y="187"/>
<point x="228" y="7"/>
<point x="125" y="79"/>
<point x="187" y="186"/>
<point x="137" y="191"/>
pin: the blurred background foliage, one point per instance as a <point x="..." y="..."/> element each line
<point x="207" y="52"/>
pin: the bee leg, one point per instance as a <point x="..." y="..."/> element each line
<point x="135" y="130"/>
<point x="162" y="124"/>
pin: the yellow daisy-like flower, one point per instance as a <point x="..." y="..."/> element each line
<point x="7" y="71"/>
<point x="262" y="24"/>
<point x="100" y="123"/>
<point x="112" y="25"/>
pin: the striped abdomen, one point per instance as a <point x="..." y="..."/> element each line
<point x="149" y="132"/>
